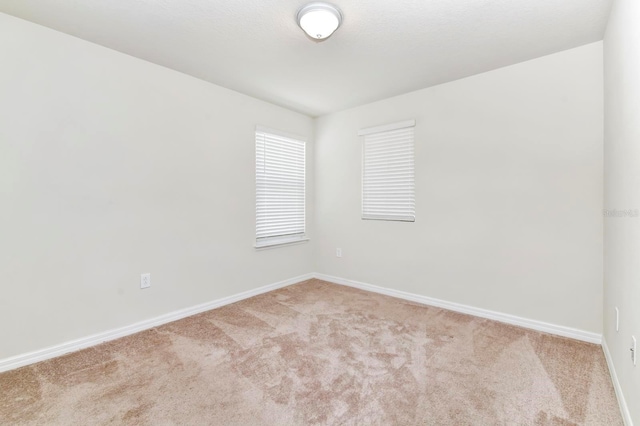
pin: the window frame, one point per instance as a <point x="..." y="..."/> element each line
<point x="283" y="239"/>
<point x="380" y="131"/>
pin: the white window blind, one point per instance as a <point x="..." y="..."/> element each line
<point x="280" y="188"/>
<point x="388" y="181"/>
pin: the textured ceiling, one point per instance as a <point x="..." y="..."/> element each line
<point x="384" y="47"/>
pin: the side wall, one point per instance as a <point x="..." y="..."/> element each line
<point x="508" y="192"/>
<point x="622" y="192"/>
<point x="111" y="167"/>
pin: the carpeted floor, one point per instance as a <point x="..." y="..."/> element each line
<point x="319" y="353"/>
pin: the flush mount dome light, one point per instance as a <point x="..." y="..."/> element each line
<point x="319" y="20"/>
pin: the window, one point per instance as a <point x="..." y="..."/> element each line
<point x="388" y="182"/>
<point x="280" y="188"/>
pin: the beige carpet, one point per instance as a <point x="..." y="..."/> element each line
<point x="318" y="353"/>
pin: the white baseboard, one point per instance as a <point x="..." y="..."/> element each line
<point x="470" y="310"/>
<point x="85" y="342"/>
<point x="624" y="409"/>
<point x="75" y="345"/>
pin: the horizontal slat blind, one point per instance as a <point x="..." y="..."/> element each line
<point x="388" y="182"/>
<point x="280" y="188"/>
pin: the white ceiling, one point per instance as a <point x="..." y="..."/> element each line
<point x="384" y="47"/>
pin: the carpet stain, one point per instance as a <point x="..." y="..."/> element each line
<point x="316" y="353"/>
<point x="136" y="415"/>
<point x="545" y="419"/>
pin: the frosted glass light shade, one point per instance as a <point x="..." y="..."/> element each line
<point x="319" y="20"/>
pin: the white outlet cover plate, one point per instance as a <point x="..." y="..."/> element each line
<point x="145" y="280"/>
<point x="634" y="351"/>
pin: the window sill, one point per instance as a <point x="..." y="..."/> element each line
<point x="273" y="244"/>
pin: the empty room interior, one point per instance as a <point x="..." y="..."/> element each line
<point x="284" y="212"/>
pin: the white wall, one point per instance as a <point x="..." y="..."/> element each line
<point x="110" y="167"/>
<point x="508" y="192"/>
<point x="622" y="191"/>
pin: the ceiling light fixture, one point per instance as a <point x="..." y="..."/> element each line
<point x="319" y="20"/>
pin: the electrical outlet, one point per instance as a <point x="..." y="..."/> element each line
<point x="338" y="252"/>
<point x="617" y="319"/>
<point x="145" y="280"/>
<point x="633" y="349"/>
